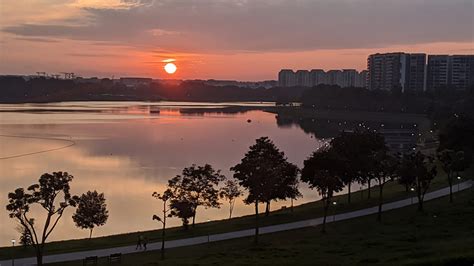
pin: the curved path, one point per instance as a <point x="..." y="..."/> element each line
<point x="71" y="143"/>
<point x="242" y="233"/>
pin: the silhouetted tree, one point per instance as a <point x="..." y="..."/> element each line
<point x="293" y="194"/>
<point x="286" y="186"/>
<point x="197" y="185"/>
<point x="165" y="197"/>
<point x="422" y="170"/>
<point x="406" y="171"/>
<point x="354" y="150"/>
<point x="266" y="174"/>
<point x="368" y="180"/>
<point x="374" y="157"/>
<point x="26" y="239"/>
<point x="50" y="188"/>
<point x="451" y="161"/>
<point x="322" y="171"/>
<point x="182" y="209"/>
<point x="230" y="192"/>
<point x="384" y="169"/>
<point x="91" y="211"/>
<point x="457" y="135"/>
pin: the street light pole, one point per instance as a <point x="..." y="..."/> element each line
<point x="208" y="234"/>
<point x="459" y="181"/>
<point x="13" y="252"/>
<point x="411" y="196"/>
<point x="335" y="206"/>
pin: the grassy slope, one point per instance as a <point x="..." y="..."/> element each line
<point x="392" y="192"/>
<point x="443" y="235"/>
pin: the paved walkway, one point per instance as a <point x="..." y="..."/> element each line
<point x="237" y="234"/>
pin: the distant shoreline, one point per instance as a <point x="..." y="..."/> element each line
<point x="235" y="107"/>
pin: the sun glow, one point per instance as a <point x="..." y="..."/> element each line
<point x="170" y="68"/>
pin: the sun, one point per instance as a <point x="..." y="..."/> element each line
<point x="170" y="68"/>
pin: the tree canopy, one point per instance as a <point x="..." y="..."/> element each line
<point x="452" y="161"/>
<point x="322" y="171"/>
<point x="196" y="186"/>
<point x="267" y="175"/>
<point x="417" y="171"/>
<point x="51" y="193"/>
<point x="182" y="209"/>
<point x="91" y="211"/>
<point x="230" y="192"/>
<point x="355" y="151"/>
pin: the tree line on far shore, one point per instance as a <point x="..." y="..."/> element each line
<point x="446" y="101"/>
<point x="264" y="173"/>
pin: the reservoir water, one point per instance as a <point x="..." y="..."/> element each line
<point x="128" y="150"/>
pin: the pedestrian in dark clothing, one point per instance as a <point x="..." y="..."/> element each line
<point x="139" y="243"/>
<point x="145" y="242"/>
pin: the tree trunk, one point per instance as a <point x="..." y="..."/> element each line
<point x="163" y="231"/>
<point x="194" y="216"/>
<point x="368" y="190"/>
<point x="163" y="238"/>
<point x="420" y="199"/>
<point x="256" y="222"/>
<point x="420" y="205"/>
<point x="90" y="234"/>
<point x="450" y="181"/>
<point x="406" y="188"/>
<point x="230" y="209"/>
<point x="267" y="208"/>
<point x="185" y="223"/>
<point x="39" y="256"/>
<point x="349" y="193"/>
<point x="379" y="216"/>
<point x="291" y="204"/>
<point x="326" y="207"/>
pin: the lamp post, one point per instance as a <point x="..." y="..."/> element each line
<point x="334" y="216"/>
<point x="459" y="181"/>
<point x="412" y="189"/>
<point x="208" y="234"/>
<point x="13" y="254"/>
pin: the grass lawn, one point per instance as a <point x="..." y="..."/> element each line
<point x="443" y="235"/>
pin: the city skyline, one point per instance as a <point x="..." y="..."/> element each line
<point x="134" y="38"/>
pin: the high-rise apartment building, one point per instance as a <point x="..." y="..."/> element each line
<point x="335" y="77"/>
<point x="302" y="78"/>
<point x="461" y="72"/>
<point x="361" y="79"/>
<point x="415" y="76"/>
<point x="437" y="72"/>
<point x="349" y="77"/>
<point x="404" y="72"/>
<point x="316" y="77"/>
<point x="286" y="78"/>
<point x="455" y="72"/>
<point x="384" y="71"/>
<point x="396" y="71"/>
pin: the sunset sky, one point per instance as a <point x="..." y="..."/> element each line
<point x="233" y="39"/>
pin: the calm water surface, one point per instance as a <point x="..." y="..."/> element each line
<point x="128" y="151"/>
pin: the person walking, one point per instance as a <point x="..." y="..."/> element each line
<point x="145" y="242"/>
<point x="139" y="243"/>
